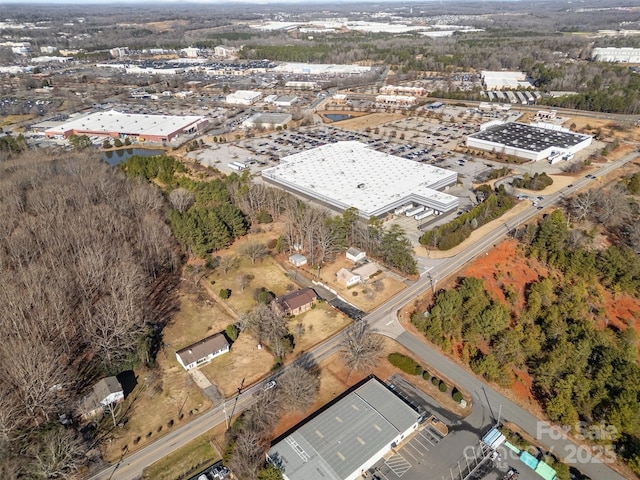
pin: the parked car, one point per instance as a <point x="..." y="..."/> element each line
<point x="269" y="385"/>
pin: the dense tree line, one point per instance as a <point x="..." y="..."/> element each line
<point x="583" y="367"/>
<point x="457" y="230"/>
<point x="539" y="181"/>
<point x="10" y="146"/>
<point x="82" y="251"/>
<point x="203" y="218"/>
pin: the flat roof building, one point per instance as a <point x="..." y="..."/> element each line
<point x="505" y="80"/>
<point x="346" y="438"/>
<point x="321" y="69"/>
<point x="243" y="97"/>
<point x="618" y="55"/>
<point x="152" y="128"/>
<point x="350" y="174"/>
<point x="526" y="141"/>
<point x="267" y="120"/>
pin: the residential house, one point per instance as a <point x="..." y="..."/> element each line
<point x="348" y="278"/>
<point x="105" y="392"/>
<point x="295" y="303"/>
<point x="356" y="255"/>
<point x="365" y="271"/>
<point x="203" y="351"/>
<point x="108" y="390"/>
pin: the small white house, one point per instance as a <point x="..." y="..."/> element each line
<point x="298" y="259"/>
<point x="356" y="255"/>
<point x="108" y="391"/>
<point x="366" y="271"/>
<point x="203" y="351"/>
<point x="348" y="278"/>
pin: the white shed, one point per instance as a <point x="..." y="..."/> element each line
<point x="298" y="259"/>
<point x="356" y="255"/>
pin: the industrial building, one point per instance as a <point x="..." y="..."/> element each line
<point x="618" y="55"/>
<point x="527" y="141"/>
<point x="350" y="174"/>
<point x="285" y="101"/>
<point x="402" y="90"/>
<point x="267" y="120"/>
<point x="243" y="97"/>
<point x="396" y="99"/>
<point x="346" y="438"/>
<point x="321" y="69"/>
<point x="505" y="80"/>
<point x="150" y="128"/>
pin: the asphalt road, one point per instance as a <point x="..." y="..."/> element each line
<point x="384" y="320"/>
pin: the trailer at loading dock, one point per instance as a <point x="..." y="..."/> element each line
<point x="425" y="214"/>
<point x="404" y="208"/>
<point x="415" y="211"/>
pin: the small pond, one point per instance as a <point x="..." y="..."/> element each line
<point x="337" y="117"/>
<point x="114" y="157"/>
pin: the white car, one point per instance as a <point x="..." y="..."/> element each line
<point x="269" y="385"/>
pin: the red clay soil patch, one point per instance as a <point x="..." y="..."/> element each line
<point x="521" y="389"/>
<point x="506" y="265"/>
<point x="623" y="311"/>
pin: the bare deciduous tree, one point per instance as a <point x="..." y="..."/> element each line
<point x="245" y="280"/>
<point x="228" y="263"/>
<point x="298" y="388"/>
<point x="247" y="457"/>
<point x="360" y="348"/>
<point x="254" y="251"/>
<point x="181" y="199"/>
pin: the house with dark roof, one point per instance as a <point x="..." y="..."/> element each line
<point x="295" y="303"/>
<point x="202" y="351"/>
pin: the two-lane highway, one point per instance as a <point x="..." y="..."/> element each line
<point x="384" y="320"/>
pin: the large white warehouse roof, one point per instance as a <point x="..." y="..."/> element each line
<point x="350" y="174"/>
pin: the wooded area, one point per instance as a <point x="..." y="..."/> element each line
<point x="583" y="366"/>
<point x="453" y="233"/>
<point x="84" y="252"/>
<point x="208" y="215"/>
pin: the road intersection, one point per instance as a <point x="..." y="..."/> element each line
<point x="385" y="321"/>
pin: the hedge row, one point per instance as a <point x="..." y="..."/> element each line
<point x="410" y="366"/>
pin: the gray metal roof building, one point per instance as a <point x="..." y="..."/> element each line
<point x="346" y="438"/>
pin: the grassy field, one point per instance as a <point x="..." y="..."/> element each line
<point x="166" y="396"/>
<point x="188" y="460"/>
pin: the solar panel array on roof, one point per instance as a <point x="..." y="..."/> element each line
<point x="528" y="137"/>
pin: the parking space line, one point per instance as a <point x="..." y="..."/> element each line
<point x="427" y="438"/>
<point x="411" y="455"/>
<point x="421" y="444"/>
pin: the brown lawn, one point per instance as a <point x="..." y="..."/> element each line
<point x="366" y="298"/>
<point x="335" y="379"/>
<point x="244" y="361"/>
<point x="166" y="397"/>
<point x="373" y="120"/>
<point x="320" y="323"/>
